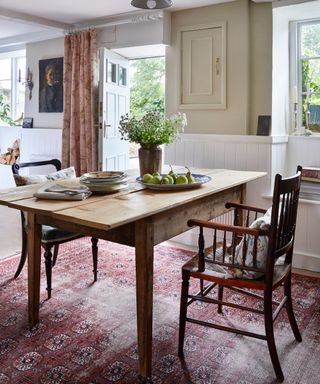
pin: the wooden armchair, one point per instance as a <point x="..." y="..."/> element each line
<point x="51" y="237"/>
<point x="246" y="256"/>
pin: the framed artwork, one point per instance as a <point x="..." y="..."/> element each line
<point x="264" y="125"/>
<point x="27" y="122"/>
<point x="51" y="85"/>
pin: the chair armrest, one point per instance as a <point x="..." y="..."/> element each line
<point x="228" y="228"/>
<point x="221" y="248"/>
<point x="243" y="206"/>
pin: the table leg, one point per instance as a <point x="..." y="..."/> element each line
<point x="144" y="293"/>
<point x="34" y="260"/>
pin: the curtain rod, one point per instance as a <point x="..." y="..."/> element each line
<point x="137" y="18"/>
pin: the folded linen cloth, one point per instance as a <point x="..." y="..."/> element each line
<point x="60" y="192"/>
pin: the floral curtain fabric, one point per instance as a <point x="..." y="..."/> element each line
<point x="80" y="133"/>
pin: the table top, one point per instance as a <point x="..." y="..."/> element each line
<point x="112" y="210"/>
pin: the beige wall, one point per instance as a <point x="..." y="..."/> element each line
<point x="249" y="64"/>
<point x="260" y="63"/>
<point x="120" y="36"/>
<point x="249" y="69"/>
<point x="49" y="49"/>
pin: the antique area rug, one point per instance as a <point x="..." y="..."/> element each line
<point x="87" y="332"/>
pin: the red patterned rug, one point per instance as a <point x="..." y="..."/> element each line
<point x="87" y="332"/>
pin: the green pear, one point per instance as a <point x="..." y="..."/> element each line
<point x="170" y="177"/>
<point x="189" y="176"/>
<point x="182" y="179"/>
<point x="157" y="179"/>
<point x="173" y="175"/>
<point x="156" y="173"/>
<point x="147" y="178"/>
<point x="167" y="179"/>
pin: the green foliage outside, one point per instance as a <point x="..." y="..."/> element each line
<point x="147" y="86"/>
<point x="310" y="37"/>
<point x="5" y="112"/>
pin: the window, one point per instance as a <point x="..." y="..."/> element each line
<point x="12" y="77"/>
<point x="307" y="75"/>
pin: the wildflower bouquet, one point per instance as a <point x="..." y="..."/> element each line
<point x="152" y="129"/>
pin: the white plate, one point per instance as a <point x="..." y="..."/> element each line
<point x="103" y="176"/>
<point x="107" y="188"/>
<point x="97" y="182"/>
<point x="199" y="180"/>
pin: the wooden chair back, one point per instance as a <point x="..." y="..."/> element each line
<point x="283" y="218"/>
<point x="256" y="240"/>
<point x="55" y="162"/>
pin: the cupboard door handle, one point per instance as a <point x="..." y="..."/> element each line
<point x="217" y="66"/>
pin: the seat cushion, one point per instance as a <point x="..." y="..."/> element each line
<point x="52" y="234"/>
<point x="66" y="173"/>
<point x="216" y="273"/>
<point x="262" y="223"/>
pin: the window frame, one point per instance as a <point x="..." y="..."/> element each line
<point x="14" y="56"/>
<point x="296" y="59"/>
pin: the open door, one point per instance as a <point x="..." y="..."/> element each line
<point x="114" y="102"/>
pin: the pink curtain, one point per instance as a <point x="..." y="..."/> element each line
<point x="80" y="133"/>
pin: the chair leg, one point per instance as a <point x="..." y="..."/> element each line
<point x="292" y="319"/>
<point x="23" y="257"/>
<point x="55" y="254"/>
<point x="268" y="323"/>
<point x="94" y="247"/>
<point x="220" y="297"/>
<point x="183" y="310"/>
<point x="48" y="263"/>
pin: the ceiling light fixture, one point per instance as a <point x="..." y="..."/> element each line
<point x="151" y="4"/>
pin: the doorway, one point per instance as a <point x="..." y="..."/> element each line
<point x="147" y="90"/>
<point x="145" y="87"/>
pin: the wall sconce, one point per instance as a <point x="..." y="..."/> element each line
<point x="28" y="83"/>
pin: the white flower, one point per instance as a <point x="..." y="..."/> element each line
<point x="152" y="129"/>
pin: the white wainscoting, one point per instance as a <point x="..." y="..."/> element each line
<point x="7" y="136"/>
<point x="269" y="154"/>
<point x="35" y="144"/>
<point x="245" y="153"/>
<point x="40" y="144"/>
<point x="305" y="150"/>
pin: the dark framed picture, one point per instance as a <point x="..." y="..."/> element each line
<point x="27" y="122"/>
<point x="264" y="125"/>
<point x="51" y="85"/>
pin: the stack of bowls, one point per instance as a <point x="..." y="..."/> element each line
<point x="105" y="181"/>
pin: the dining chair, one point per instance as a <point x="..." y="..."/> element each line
<point x="51" y="237"/>
<point x="255" y="253"/>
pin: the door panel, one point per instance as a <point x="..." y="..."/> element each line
<point x="112" y="116"/>
<point x="114" y="102"/>
<point x="110" y="163"/>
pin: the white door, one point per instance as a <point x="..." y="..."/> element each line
<point x="114" y="102"/>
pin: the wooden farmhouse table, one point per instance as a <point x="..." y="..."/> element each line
<point x="138" y="217"/>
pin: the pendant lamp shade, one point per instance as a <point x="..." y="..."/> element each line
<point x="151" y="4"/>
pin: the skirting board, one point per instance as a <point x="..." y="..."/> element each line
<point x="308" y="262"/>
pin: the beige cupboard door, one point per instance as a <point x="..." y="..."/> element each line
<point x="202" y="67"/>
<point x="114" y="102"/>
